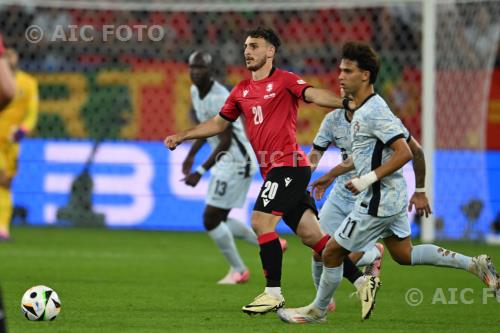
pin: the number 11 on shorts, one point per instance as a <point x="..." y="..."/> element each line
<point x="349" y="228"/>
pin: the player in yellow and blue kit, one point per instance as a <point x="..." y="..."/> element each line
<point x="16" y="120"/>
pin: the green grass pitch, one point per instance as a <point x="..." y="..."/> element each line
<point x="137" y="281"/>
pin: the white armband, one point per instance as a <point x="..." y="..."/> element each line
<point x="420" y="190"/>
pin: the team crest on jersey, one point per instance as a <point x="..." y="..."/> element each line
<point x="245" y="93"/>
<point x="269" y="87"/>
<point x="356" y="127"/>
<point x="301" y="82"/>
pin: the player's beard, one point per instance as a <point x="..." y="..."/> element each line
<point x="257" y="66"/>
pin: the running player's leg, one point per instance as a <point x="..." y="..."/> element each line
<point x="404" y="253"/>
<point x="311" y="235"/>
<point x="238" y="228"/>
<point x="223" y="238"/>
<point x="332" y="214"/>
<point x="333" y="256"/>
<point x="271" y="256"/>
<point x="283" y="188"/>
<point x="241" y="230"/>
<point x="357" y="232"/>
<point x="225" y="192"/>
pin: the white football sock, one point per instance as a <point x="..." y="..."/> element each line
<point x="274" y="291"/>
<point x="330" y="280"/>
<point x="241" y="230"/>
<point x="429" y="254"/>
<point x="223" y="238"/>
<point x="369" y="256"/>
<point x="316" y="270"/>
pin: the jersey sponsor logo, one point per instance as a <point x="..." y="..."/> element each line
<point x="245" y="93"/>
<point x="269" y="87"/>
<point x="288" y="180"/>
<point x="271" y="95"/>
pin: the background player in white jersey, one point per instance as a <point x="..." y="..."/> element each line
<point x="379" y="151"/>
<point x="231" y="164"/>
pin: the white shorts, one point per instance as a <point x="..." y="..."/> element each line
<point x="333" y="213"/>
<point x="359" y="231"/>
<point x="227" y="191"/>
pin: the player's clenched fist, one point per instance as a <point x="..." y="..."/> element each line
<point x="172" y="141"/>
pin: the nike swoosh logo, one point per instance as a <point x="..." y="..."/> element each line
<point x="256" y="306"/>
<point x="366" y="299"/>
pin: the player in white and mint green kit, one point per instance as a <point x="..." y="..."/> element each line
<point x="335" y="130"/>
<point x="231" y="163"/>
<point x="379" y="151"/>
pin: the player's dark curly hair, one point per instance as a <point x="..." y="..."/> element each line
<point x="268" y="34"/>
<point x="364" y="55"/>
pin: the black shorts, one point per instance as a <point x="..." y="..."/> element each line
<point x="284" y="193"/>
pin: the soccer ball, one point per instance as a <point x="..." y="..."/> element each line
<point x="40" y="303"/>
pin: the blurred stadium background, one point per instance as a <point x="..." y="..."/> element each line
<point x="106" y="103"/>
<point x="113" y="82"/>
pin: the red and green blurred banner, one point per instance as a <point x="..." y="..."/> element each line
<point x="147" y="100"/>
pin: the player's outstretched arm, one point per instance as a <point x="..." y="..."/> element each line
<point x="314" y="157"/>
<point x="189" y="160"/>
<point x="323" y="97"/>
<point x="207" y="129"/>
<point x="320" y="185"/>
<point x="402" y="154"/>
<point x="419" y="198"/>
<point x="224" y="143"/>
<point x="418" y="163"/>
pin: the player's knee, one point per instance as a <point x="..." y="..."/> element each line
<point x="402" y="257"/>
<point x="309" y="237"/>
<point x="211" y="220"/>
<point x="333" y="254"/>
<point x="309" y="233"/>
<point x="256" y="225"/>
<point x="260" y="226"/>
<point x="316" y="256"/>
